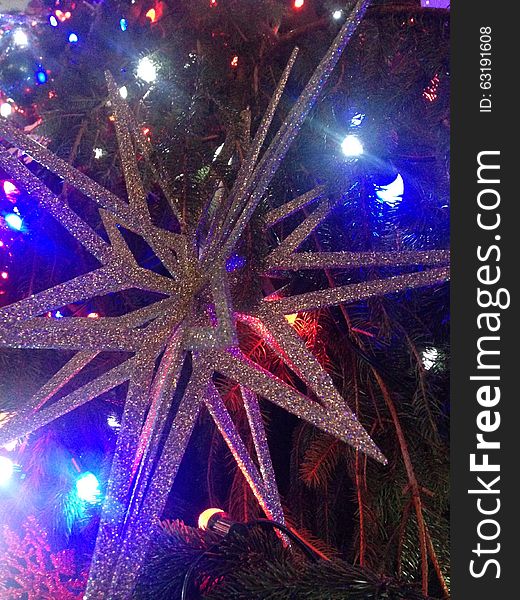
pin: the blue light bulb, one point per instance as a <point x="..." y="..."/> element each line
<point x="14" y="221"/>
<point x="123" y="23"/>
<point x="41" y="76"/>
<point x="73" y="38"/>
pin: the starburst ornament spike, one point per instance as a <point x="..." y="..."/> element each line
<point x="192" y="329"/>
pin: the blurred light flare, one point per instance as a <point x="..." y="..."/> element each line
<point x="20" y="38"/>
<point x="14" y="221"/>
<point x="146" y="70"/>
<point x="352" y="146"/>
<point x="87" y="488"/>
<point x="41" y="76"/>
<point x="337" y="14"/>
<point x="6" y="110"/>
<point x="73" y="38"/>
<point x="10" y="188"/>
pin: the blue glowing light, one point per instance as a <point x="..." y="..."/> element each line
<point x="392" y="193"/>
<point x="123" y="23"/>
<point x="58" y="315"/>
<point x="53" y="21"/>
<point x="235" y="262"/>
<point x="73" y="38"/>
<point x="41" y="76"/>
<point x="87" y="488"/>
<point x="357" y="119"/>
<point x="14" y="221"/>
<point x="6" y="470"/>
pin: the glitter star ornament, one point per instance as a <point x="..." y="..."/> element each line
<point x="192" y="328"/>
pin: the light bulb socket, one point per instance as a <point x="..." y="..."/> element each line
<point x="222" y="524"/>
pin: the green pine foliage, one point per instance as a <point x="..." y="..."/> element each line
<point x="254" y="566"/>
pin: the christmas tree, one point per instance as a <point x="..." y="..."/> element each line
<point x="224" y="264"/>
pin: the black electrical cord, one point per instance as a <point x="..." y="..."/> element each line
<point x="265" y="524"/>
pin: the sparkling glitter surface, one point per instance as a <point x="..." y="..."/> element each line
<point x="194" y="325"/>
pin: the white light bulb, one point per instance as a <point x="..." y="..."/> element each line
<point x="98" y="153"/>
<point x="337" y="14"/>
<point x="5" y="109"/>
<point x="429" y="357"/>
<point x="113" y="422"/>
<point x="20" y="38"/>
<point x="351" y="146"/>
<point x="146" y="70"/>
<point x="87" y="488"/>
<point x="123" y="92"/>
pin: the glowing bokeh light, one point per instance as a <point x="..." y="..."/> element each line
<point x="14" y="221"/>
<point x="152" y="15"/>
<point x="73" y="38"/>
<point x="10" y="188"/>
<point x="146" y="70"/>
<point x="87" y="488"/>
<point x="20" y="38"/>
<point x="123" y="92"/>
<point x="41" y="76"/>
<point x="337" y="14"/>
<point x="123" y="24"/>
<point x="53" y="21"/>
<point x="352" y="146"/>
<point x="5" y="109"/>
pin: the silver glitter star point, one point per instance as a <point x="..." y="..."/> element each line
<point x="163" y="335"/>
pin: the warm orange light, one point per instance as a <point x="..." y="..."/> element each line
<point x="93" y="315"/>
<point x="234" y="62"/>
<point x="62" y="16"/>
<point x="206" y="515"/>
<point x="151" y="14"/>
<point x="291" y="319"/>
